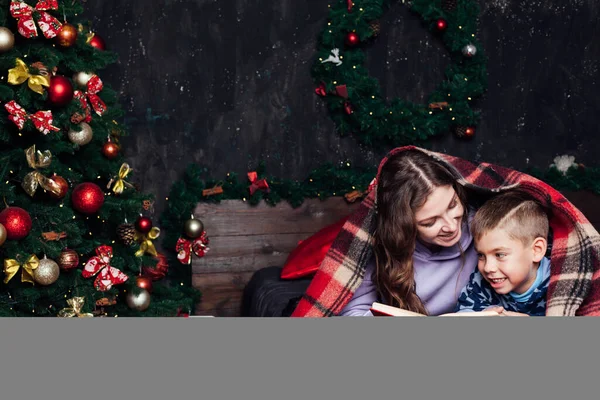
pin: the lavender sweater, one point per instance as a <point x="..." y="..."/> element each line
<point x="438" y="278"/>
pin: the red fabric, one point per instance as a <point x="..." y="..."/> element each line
<point x="305" y="259"/>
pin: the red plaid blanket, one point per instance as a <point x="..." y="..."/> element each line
<point x="574" y="287"/>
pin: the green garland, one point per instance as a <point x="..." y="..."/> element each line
<point x="323" y="182"/>
<point x="354" y="98"/>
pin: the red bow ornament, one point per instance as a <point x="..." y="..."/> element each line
<point x="321" y="90"/>
<point x="256" y="184"/>
<point x="107" y="274"/>
<point x="94" y="85"/>
<point x="185" y="247"/>
<point x="24" y="13"/>
<point x="41" y="119"/>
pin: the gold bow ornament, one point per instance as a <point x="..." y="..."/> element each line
<point x="35" y="178"/>
<point x="11" y="267"/>
<point x="20" y="73"/>
<point x="76" y="304"/>
<point x="145" y="240"/>
<point x="119" y="181"/>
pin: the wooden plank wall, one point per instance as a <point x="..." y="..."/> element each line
<point x="245" y="238"/>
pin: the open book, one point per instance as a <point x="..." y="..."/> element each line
<point x="382" y="310"/>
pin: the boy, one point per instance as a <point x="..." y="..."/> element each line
<point x="510" y="233"/>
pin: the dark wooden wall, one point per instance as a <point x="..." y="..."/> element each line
<point x="227" y="83"/>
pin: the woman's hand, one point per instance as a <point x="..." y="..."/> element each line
<point x="505" y="313"/>
<point x="513" y="314"/>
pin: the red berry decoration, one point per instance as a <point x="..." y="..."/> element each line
<point x="60" y="92"/>
<point x="348" y="109"/>
<point x="441" y="25"/>
<point x="67" y="36"/>
<point x="352" y="39"/>
<point x="97" y="42"/>
<point x="143" y="224"/>
<point x="87" y="198"/>
<point x="61" y="184"/>
<point x="16" y="221"/>
<point x="110" y="150"/>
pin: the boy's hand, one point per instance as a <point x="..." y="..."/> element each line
<point x="499" y="309"/>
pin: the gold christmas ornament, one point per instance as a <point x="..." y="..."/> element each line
<point x="20" y="73"/>
<point x="81" y="78"/>
<point x="138" y="299"/>
<point x="47" y="272"/>
<point x="2" y="234"/>
<point x="12" y="266"/>
<point x="74" y="309"/>
<point x="37" y="159"/>
<point x="193" y="228"/>
<point x="7" y="39"/>
<point x="83" y="136"/>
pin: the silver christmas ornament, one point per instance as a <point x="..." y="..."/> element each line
<point x="138" y="300"/>
<point x="193" y="228"/>
<point x="81" y="137"/>
<point x="47" y="272"/>
<point x="469" y="50"/>
<point x="81" y="78"/>
<point x="7" y="39"/>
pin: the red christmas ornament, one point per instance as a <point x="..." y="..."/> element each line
<point x="97" y="42"/>
<point x="67" y="36"/>
<point x="110" y="150"/>
<point x="62" y="184"/>
<point x="144" y="282"/>
<point x="352" y="39"/>
<point x="68" y="259"/>
<point x="87" y="198"/>
<point x="16" y="221"/>
<point x="60" y="92"/>
<point x="441" y="25"/>
<point x="159" y="271"/>
<point x="469" y="131"/>
<point x="143" y="224"/>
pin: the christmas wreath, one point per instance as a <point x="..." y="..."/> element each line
<point x="354" y="98"/>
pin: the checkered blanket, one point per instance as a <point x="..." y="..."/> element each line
<point x="574" y="287"/>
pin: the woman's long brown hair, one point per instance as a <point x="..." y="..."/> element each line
<point x="404" y="183"/>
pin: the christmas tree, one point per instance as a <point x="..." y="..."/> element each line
<point x="76" y="235"/>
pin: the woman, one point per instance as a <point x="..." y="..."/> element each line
<point x="423" y="250"/>
<point x="408" y="244"/>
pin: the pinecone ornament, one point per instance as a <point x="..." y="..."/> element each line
<point x="126" y="232"/>
<point x="449" y="5"/>
<point x="375" y="27"/>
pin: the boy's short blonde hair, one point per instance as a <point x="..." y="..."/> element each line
<point x="521" y="217"/>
